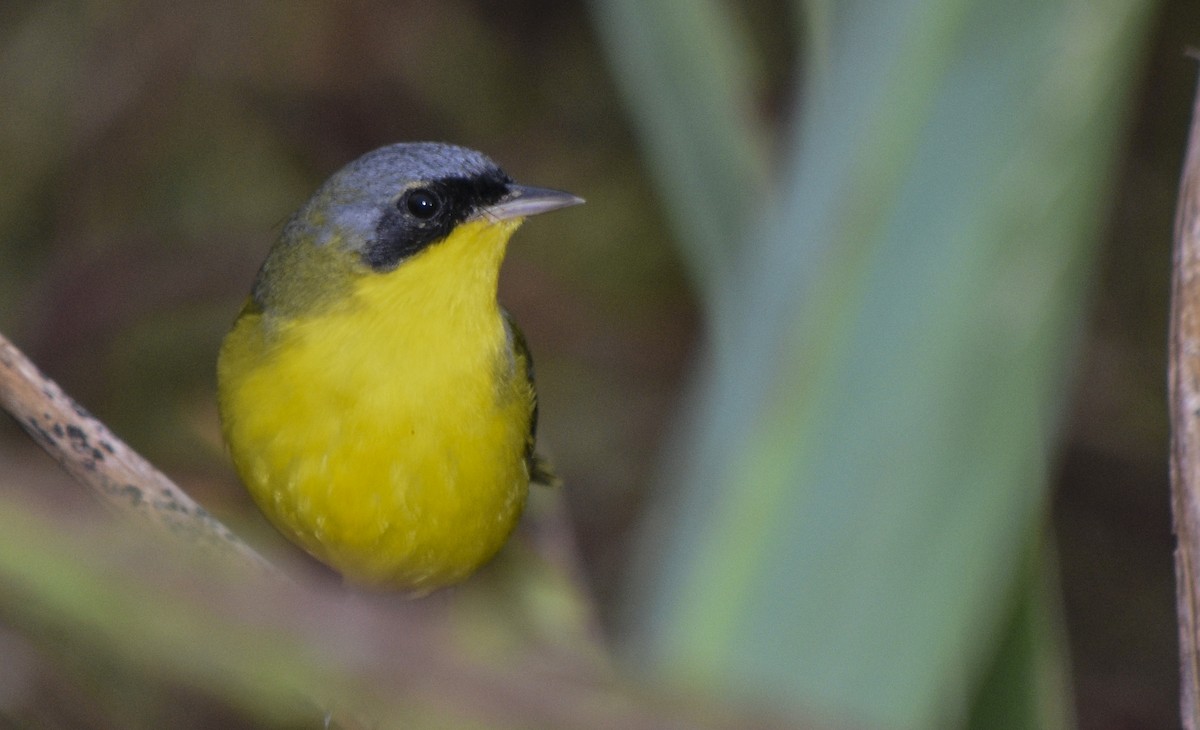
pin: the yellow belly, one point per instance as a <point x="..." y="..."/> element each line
<point x="387" y="438"/>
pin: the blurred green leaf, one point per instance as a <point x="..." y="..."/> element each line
<point x="866" y="458"/>
<point x="504" y="650"/>
<point x="690" y="77"/>
<point x="1028" y="683"/>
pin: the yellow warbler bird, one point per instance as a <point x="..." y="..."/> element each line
<point x="377" y="401"/>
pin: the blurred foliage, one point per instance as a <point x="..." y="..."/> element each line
<point x="800" y="168"/>
<point x="867" y="456"/>
<point x="250" y="647"/>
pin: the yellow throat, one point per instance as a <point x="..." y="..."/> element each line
<point x="384" y="423"/>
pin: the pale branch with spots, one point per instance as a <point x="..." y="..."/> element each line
<point x="114" y="472"/>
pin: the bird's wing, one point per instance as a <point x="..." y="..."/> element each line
<point x="540" y="470"/>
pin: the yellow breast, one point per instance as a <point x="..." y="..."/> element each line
<point x="386" y="433"/>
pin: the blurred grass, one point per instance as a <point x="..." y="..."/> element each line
<point x="889" y="260"/>
<point x="691" y="79"/>
<point x="154" y="622"/>
<point x="867" y="454"/>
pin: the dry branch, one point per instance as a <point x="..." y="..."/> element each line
<point x="1184" y="404"/>
<point x="117" y="474"/>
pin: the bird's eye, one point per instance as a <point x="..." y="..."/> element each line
<point x="423" y="203"/>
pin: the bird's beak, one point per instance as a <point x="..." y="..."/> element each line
<point x="523" y="201"/>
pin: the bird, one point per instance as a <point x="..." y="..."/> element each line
<point x="377" y="401"/>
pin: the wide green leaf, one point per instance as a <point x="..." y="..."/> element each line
<point x="863" y="468"/>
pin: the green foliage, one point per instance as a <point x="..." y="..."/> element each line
<point x="865" y="458"/>
<point x="690" y="79"/>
